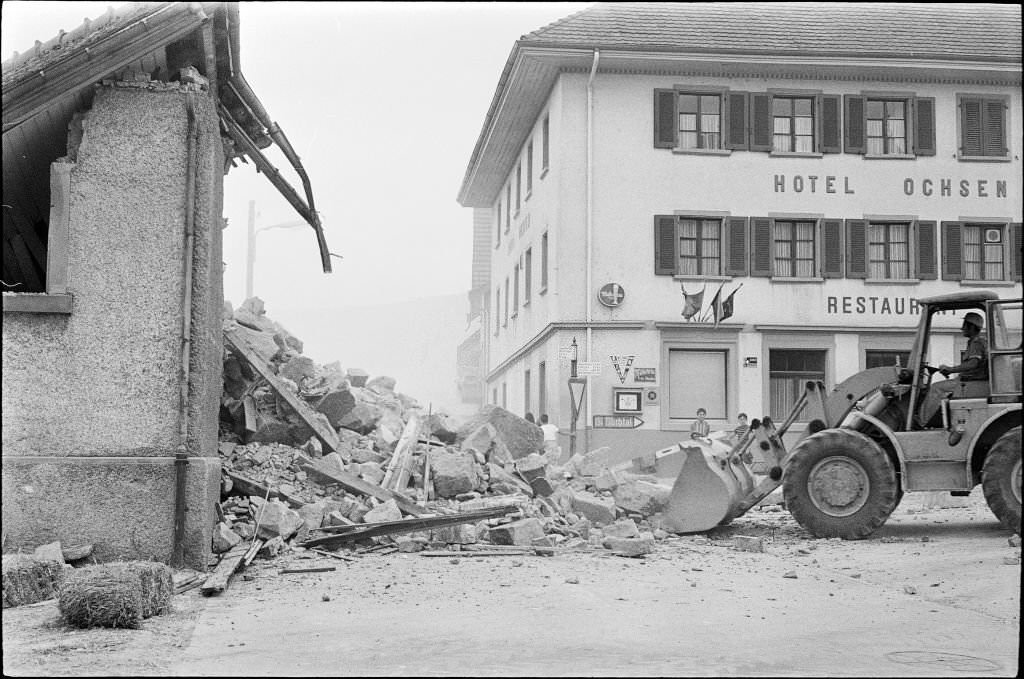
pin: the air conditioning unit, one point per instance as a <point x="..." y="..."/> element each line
<point x="993" y="235"/>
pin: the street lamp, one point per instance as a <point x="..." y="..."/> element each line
<point x="251" y="250"/>
<point x="577" y="386"/>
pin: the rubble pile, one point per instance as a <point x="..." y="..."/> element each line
<point x="310" y="453"/>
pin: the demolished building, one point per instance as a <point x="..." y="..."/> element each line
<point x="116" y="139"/>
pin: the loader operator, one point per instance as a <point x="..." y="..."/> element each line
<point x="972" y="380"/>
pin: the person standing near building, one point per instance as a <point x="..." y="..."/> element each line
<point x="741" y="429"/>
<point x="551" y="448"/>
<point x="700" y="426"/>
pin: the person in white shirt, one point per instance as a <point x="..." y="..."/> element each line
<point x="551" y="448"/>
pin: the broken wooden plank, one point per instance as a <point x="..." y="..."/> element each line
<point x="253" y="550"/>
<point x="397" y="471"/>
<point x="250" y="487"/>
<point x="519" y="552"/>
<point x="229" y="563"/>
<point x="240" y="346"/>
<point x="370" y="530"/>
<point x="314" y="569"/>
<point x="354" y="484"/>
<point x="324" y="552"/>
<point x="249" y="411"/>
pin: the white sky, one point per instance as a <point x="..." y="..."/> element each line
<point x="383" y="103"/>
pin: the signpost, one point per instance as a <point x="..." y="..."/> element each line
<point x="617" y="422"/>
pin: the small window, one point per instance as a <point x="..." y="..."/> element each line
<point x="497" y="310"/>
<point x="545" y="142"/>
<point x="498" y="242"/>
<point x="508" y="206"/>
<point x="889" y="250"/>
<point x="519" y="185"/>
<point x="515" y="291"/>
<point x="788" y="371"/>
<point x="526" y="391"/>
<point x="700" y="121"/>
<point x="983" y="127"/>
<point x="794" y="244"/>
<point x="983" y="253"/>
<point x="886" y="130"/>
<point x="700" y="247"/>
<point x="875" y="358"/>
<point x="542" y="388"/>
<point x="793" y="124"/>
<point x="529" y="168"/>
<point x="504" y="316"/>
<point x="527" y="276"/>
<point x="544" y="262"/>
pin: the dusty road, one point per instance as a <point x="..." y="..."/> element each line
<point x="934" y="593"/>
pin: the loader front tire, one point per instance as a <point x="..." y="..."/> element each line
<point x="1000" y="479"/>
<point x="840" y="484"/>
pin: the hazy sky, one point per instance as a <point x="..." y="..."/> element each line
<point x="383" y="102"/>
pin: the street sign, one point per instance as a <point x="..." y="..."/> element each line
<point x="588" y="368"/>
<point x="617" y="421"/>
<point x="611" y="294"/>
<point x="565" y="353"/>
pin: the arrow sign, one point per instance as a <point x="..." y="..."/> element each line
<point x="617" y="422"/>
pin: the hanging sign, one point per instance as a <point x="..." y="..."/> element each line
<point x="622" y="365"/>
<point x="611" y="294"/>
<point x="617" y="422"/>
<point x="645" y="375"/>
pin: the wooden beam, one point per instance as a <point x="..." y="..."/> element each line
<point x="397" y="468"/>
<point x="221" y="576"/>
<point x="249" y="487"/>
<point x="354" y="484"/>
<point x="241" y="347"/>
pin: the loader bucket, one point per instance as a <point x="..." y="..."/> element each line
<point x="707" y="491"/>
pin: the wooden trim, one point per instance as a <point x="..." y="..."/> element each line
<point x="60" y="229"/>
<point x="37" y="303"/>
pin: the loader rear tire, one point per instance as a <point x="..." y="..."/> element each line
<point x="1000" y="479"/>
<point x="840" y="484"/>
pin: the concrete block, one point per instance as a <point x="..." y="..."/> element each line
<point x="642" y="497"/>
<point x="387" y="511"/>
<point x="623" y="528"/>
<point x="637" y="546"/>
<point x="453" y="473"/>
<point x="462" y="534"/>
<point x="521" y="532"/>
<point x="277" y="519"/>
<point x="298" y="369"/>
<point x="335" y="405"/>
<point x="600" y="512"/>
<point x="224" y="538"/>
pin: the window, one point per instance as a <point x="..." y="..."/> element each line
<point x="526" y="392"/>
<point x="527" y="276"/>
<point x="983" y="252"/>
<point x="886" y="127"/>
<point x="544" y="262"/>
<point x="504" y="317"/>
<point x="542" y="387"/>
<point x="545" y="143"/>
<point x="983" y="127"/>
<point x="875" y="358"/>
<point x="700" y="247"/>
<point x="529" y="168"/>
<point x="497" y="309"/>
<point x="700" y="121"/>
<point x="793" y="124"/>
<point x="499" y="224"/>
<point x="788" y="370"/>
<point x="519" y="184"/>
<point x="504" y="395"/>
<point x="888" y="250"/>
<point x="515" y="291"/>
<point x="794" y="249"/>
<point x="686" y="368"/>
<point x="508" y="206"/>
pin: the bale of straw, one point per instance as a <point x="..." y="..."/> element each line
<point x="119" y="594"/>
<point x="26" y="580"/>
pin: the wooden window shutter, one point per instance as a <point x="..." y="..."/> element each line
<point x="832" y="245"/>
<point x="736" y="246"/>
<point x="760" y="121"/>
<point x="994" y="130"/>
<point x="952" y="251"/>
<point x="856" y="248"/>
<point x="761" y="246"/>
<point x="924" y="126"/>
<point x="970" y="127"/>
<point x="854" y="137"/>
<point x="736" y="120"/>
<point x="1015" y="255"/>
<point x="664" y="245"/>
<point x="831" y="128"/>
<point x="926" y="251"/>
<point x="665" y="119"/>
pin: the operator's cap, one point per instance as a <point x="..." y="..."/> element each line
<point x="975" y="319"/>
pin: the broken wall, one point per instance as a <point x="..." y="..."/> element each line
<point x="91" y="398"/>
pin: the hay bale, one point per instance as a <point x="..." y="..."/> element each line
<point x="119" y="594"/>
<point x="26" y="580"/>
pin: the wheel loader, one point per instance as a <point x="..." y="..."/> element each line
<point x="867" y="443"/>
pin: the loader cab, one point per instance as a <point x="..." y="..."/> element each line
<point x="1004" y="350"/>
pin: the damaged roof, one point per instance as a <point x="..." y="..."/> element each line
<point x="888" y="41"/>
<point x="57" y="77"/>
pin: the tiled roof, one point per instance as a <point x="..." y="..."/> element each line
<point x="44" y="54"/>
<point x="973" y="32"/>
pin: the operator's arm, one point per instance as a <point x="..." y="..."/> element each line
<point x="973" y="361"/>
